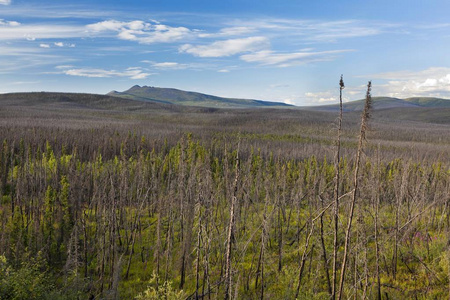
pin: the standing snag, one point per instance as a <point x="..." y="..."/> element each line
<point x="362" y="136"/>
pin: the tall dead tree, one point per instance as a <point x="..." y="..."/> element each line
<point x="337" y="161"/>
<point x="230" y="234"/>
<point x="362" y="136"/>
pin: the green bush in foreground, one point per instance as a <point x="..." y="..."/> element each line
<point x="165" y="291"/>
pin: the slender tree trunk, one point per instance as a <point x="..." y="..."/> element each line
<point x="324" y="256"/>
<point x="362" y="135"/>
<point x="305" y="251"/>
<point x="303" y="259"/>
<point x="337" y="160"/>
<point x="197" y="262"/>
<point x="377" y="205"/>
<point x="230" y="234"/>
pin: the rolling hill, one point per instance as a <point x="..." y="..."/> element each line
<point x="137" y="101"/>
<point x="175" y="96"/>
<point x="74" y="100"/>
<point x="418" y="109"/>
<point x="380" y="103"/>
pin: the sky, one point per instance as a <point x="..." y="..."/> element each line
<point x="292" y="51"/>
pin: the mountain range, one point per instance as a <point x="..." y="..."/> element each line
<point x="153" y="99"/>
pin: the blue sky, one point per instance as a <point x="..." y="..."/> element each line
<point x="291" y="51"/>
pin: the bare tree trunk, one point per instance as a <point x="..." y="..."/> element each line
<point x="305" y="251"/>
<point x="324" y="256"/>
<point x="377" y="205"/>
<point x="197" y="262"/>
<point x="228" y="271"/>
<point x="362" y="135"/>
<point x="303" y="259"/>
<point x="337" y="160"/>
<point x="400" y="196"/>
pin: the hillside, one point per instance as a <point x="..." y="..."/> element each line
<point x="75" y="100"/>
<point x="427" y="110"/>
<point x="380" y="103"/>
<point x="175" y="96"/>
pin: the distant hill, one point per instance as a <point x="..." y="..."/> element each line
<point x="175" y="96"/>
<point x="429" y="110"/>
<point x="74" y="101"/>
<point x="380" y="103"/>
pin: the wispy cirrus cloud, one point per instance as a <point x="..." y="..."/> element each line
<point x="268" y="57"/>
<point x="319" y="30"/>
<point x="229" y="31"/>
<point x="18" y="59"/>
<point x="140" y="31"/>
<point x="57" y="44"/>
<point x="132" y="73"/>
<point x="56" y="10"/>
<point x="5" y="2"/>
<point x="174" y="66"/>
<point x="170" y="66"/>
<point x="226" y="47"/>
<point x="12" y="30"/>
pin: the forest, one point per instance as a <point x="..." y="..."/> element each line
<point x="107" y="198"/>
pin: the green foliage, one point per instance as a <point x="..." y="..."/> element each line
<point x="164" y="291"/>
<point x="104" y="221"/>
<point x="29" y="281"/>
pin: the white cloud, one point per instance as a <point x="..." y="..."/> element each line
<point x="8" y="23"/>
<point x="16" y="31"/>
<point x="141" y="32"/>
<point x="55" y="10"/>
<point x="322" y="97"/>
<point x="317" y="30"/>
<point x="431" y="82"/>
<point x="24" y="82"/>
<point x="61" y="44"/>
<point x="224" y="71"/>
<point x="62" y="67"/>
<point x="227" y="47"/>
<point x="5" y="2"/>
<point x="268" y="57"/>
<point x="332" y="96"/>
<point x="229" y="31"/>
<point x="133" y="73"/>
<point x="57" y="44"/>
<point x="111" y="25"/>
<point x="166" y="65"/>
<point x="289" y="101"/>
<point x="170" y="66"/>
